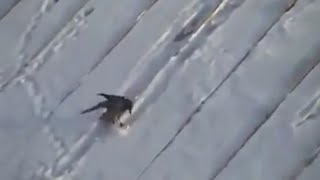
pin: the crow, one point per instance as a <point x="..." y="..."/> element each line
<point x="115" y="105"/>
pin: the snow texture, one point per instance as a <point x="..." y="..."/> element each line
<point x="222" y="89"/>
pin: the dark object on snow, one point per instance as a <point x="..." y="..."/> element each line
<point x="115" y="105"/>
<point x="183" y="34"/>
<point x="189" y="29"/>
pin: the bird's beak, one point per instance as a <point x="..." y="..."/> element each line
<point x="130" y="111"/>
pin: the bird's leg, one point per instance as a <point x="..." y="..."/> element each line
<point x="117" y="122"/>
<point x="116" y="119"/>
<point x="121" y="124"/>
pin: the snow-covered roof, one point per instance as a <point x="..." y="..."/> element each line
<point x="222" y="89"/>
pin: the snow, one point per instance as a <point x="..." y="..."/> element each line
<point x="6" y="6"/>
<point x="311" y="170"/>
<point x="223" y="89"/>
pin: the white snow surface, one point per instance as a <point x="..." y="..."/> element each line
<point x="222" y="89"/>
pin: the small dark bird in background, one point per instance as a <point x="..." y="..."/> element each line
<point x="115" y="105"/>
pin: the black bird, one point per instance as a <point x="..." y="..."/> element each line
<point x="115" y="105"/>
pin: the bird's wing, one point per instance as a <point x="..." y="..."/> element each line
<point x="98" y="106"/>
<point x="110" y="97"/>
